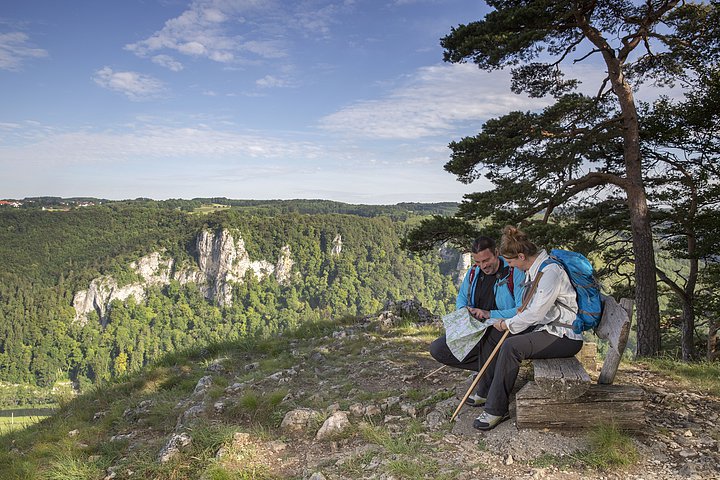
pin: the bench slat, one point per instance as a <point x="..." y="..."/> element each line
<point x="621" y="405"/>
<point x="563" y="378"/>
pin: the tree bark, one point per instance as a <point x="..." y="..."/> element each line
<point x="713" y="350"/>
<point x="646" y="297"/>
<point x="688" y="330"/>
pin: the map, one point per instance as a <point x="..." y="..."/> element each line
<point x="462" y="332"/>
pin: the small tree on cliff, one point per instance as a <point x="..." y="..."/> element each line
<point x="580" y="145"/>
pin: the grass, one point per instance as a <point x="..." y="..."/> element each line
<point x="355" y="466"/>
<point x="258" y="408"/>
<point x="9" y="424"/>
<point x="609" y="448"/>
<point x="205" y="209"/>
<point x="412" y="468"/>
<point x="406" y="443"/>
<point x="702" y="375"/>
<point x="70" y="467"/>
<point x="435" y="398"/>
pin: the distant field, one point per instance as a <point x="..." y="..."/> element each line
<point x="215" y="207"/>
<point x="16" y="419"/>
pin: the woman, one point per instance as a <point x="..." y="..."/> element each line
<point x="552" y="304"/>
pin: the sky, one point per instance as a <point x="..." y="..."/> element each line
<point x="345" y="100"/>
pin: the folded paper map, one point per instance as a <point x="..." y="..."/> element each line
<point x="462" y="332"/>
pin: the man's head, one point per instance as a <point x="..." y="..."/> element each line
<point x="485" y="255"/>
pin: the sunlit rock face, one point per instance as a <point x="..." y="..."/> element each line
<point x="222" y="260"/>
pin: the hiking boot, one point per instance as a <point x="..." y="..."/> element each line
<point x="475" y="400"/>
<point x="487" y="421"/>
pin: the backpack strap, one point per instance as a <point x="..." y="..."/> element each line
<point x="511" y="281"/>
<point x="557" y="323"/>
<point x="470" y="285"/>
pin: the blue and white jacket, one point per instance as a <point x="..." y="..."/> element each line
<point x="507" y="303"/>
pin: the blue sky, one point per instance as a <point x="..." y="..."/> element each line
<point x="341" y="100"/>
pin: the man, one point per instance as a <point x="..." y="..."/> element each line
<point x="491" y="290"/>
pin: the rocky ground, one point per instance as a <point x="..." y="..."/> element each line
<point x="358" y="404"/>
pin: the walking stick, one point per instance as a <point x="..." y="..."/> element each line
<point x="433" y="372"/>
<point x="497" y="347"/>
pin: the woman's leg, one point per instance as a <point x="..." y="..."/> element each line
<point x="514" y="350"/>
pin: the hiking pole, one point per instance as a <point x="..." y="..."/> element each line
<point x="433" y="372"/>
<point x="497" y="347"/>
<point x="480" y="374"/>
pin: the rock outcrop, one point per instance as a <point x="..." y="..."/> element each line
<point x="336" y="245"/>
<point x="222" y="260"/>
<point x="101" y="292"/>
<point x="464" y="262"/>
<point x="283" y="269"/>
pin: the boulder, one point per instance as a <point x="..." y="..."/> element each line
<point x="297" y="419"/>
<point x="336" y="424"/>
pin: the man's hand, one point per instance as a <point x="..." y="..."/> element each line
<point x="501" y="326"/>
<point x="479" y="313"/>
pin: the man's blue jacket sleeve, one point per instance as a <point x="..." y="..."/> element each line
<point x="462" y="298"/>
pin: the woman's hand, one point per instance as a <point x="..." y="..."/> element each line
<point x="500" y="326"/>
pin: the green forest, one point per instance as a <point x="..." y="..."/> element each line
<point x="48" y="255"/>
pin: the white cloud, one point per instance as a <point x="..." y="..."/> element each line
<point x="224" y="30"/>
<point x="168" y="62"/>
<point x="436" y="100"/>
<point x="135" y="86"/>
<point x="199" y="31"/>
<point x="14" y="50"/>
<point x="270" y="81"/>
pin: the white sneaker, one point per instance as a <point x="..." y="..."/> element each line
<point x="475" y="400"/>
<point x="487" y="421"/>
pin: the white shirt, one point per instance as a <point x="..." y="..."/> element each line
<point x="554" y="300"/>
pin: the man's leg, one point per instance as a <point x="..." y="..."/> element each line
<point x="440" y="352"/>
<point x="514" y="350"/>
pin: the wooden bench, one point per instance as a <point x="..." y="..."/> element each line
<point x="563" y="395"/>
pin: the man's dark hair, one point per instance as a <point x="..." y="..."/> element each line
<point x="483" y="243"/>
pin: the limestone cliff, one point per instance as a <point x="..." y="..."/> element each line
<point x="221" y="261"/>
<point x="455" y="263"/>
<point x="101" y="292"/>
<point x="464" y="262"/>
<point x="283" y="269"/>
<point x="336" y="245"/>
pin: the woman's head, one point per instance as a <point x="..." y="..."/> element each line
<point x="516" y="248"/>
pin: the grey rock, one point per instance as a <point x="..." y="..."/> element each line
<point x="297" y="419"/>
<point x="173" y="446"/>
<point x="202" y="385"/>
<point x="215" y="367"/>
<point x="337" y="423"/>
<point x="357" y="410"/>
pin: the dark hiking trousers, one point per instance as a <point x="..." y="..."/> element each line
<point x="513" y="351"/>
<point x="474" y="360"/>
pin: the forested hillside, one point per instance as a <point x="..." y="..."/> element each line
<point x="48" y="256"/>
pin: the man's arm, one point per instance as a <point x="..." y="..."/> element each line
<point x="462" y="297"/>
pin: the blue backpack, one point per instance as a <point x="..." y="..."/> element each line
<point x="581" y="274"/>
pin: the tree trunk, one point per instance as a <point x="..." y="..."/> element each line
<point x="713" y="350"/>
<point x="646" y="298"/>
<point x="688" y="331"/>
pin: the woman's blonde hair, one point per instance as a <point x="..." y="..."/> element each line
<point x="514" y="242"/>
